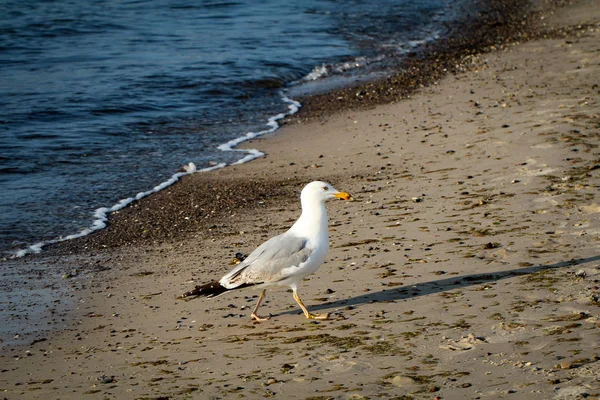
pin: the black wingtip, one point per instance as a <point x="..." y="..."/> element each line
<point x="207" y="290"/>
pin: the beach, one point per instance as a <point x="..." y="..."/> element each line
<point x="467" y="265"/>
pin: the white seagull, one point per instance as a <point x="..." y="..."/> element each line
<point x="286" y="259"/>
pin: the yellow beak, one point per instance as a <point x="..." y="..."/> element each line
<point x="343" y="196"/>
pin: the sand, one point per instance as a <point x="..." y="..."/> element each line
<point x="466" y="267"/>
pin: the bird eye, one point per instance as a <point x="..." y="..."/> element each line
<point x="324" y="187"/>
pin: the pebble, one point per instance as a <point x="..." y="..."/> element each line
<point x="106" y="379"/>
<point x="270" y="381"/>
<point x="566" y="365"/>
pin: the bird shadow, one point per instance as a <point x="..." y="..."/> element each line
<point x="441" y="285"/>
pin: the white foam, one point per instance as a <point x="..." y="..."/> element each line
<point x="101" y="214"/>
<point x="325" y="71"/>
<point x="317" y="73"/>
<point x="358" y="62"/>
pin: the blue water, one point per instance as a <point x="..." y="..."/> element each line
<point x="101" y="100"/>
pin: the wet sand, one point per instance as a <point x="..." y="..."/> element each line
<point x="466" y="267"/>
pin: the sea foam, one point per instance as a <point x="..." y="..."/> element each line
<point x="101" y="214"/>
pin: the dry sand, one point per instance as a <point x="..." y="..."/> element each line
<point x="467" y="267"/>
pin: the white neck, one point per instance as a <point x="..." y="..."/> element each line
<point x="313" y="219"/>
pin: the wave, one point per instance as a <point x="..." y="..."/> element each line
<point x="293" y="108"/>
<point x="340" y="68"/>
<point x="101" y="214"/>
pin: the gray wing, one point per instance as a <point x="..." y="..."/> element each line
<point x="266" y="263"/>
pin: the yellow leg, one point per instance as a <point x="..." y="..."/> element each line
<point x="260" y="299"/>
<point x="306" y="312"/>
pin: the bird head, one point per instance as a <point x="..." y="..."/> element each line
<point x="323" y="191"/>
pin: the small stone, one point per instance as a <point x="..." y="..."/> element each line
<point x="566" y="365"/>
<point x="401" y="381"/>
<point x="270" y="381"/>
<point x="287" y="367"/>
<point x="106" y="379"/>
<point x="581" y="274"/>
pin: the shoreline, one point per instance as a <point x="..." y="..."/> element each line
<point x="102" y="214"/>
<point x="466" y="267"/>
<point x="498" y="25"/>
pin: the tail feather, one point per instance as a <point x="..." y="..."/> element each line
<point x="207" y="290"/>
<point x="211" y="289"/>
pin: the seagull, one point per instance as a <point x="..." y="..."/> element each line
<point x="284" y="260"/>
